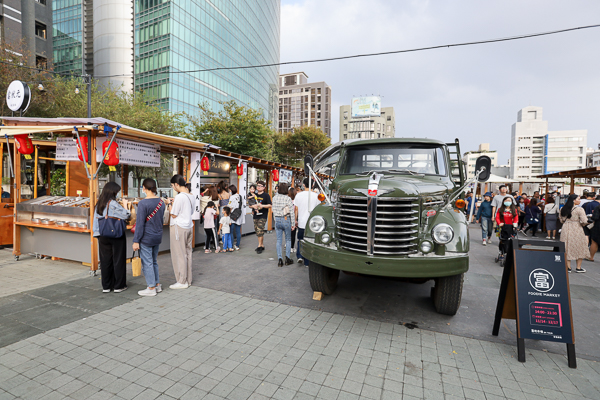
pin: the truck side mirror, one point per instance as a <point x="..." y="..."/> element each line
<point x="486" y="163"/>
<point x="308" y="160"/>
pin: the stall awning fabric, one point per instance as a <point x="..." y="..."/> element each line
<point x="25" y="130"/>
<point x="500" y="179"/>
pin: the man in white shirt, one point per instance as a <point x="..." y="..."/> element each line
<point x="305" y="201"/>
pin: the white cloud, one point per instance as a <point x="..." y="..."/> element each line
<point x="473" y="92"/>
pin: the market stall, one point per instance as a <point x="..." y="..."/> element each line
<point x="61" y="226"/>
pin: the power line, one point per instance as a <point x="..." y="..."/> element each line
<point x="462" y="44"/>
<point x="505" y="39"/>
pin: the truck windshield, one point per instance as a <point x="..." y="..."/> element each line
<point x="417" y="158"/>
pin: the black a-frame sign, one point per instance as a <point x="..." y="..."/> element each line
<point x="535" y="292"/>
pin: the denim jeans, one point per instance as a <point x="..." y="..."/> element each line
<point x="227" y="241"/>
<point x="149" y="255"/>
<point x="486" y="227"/>
<point x="299" y="243"/>
<point x="236" y="230"/>
<point x="282" y="226"/>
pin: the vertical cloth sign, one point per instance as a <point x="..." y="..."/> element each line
<point x="195" y="181"/>
<point x="243" y="190"/>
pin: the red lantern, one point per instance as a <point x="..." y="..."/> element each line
<point x="240" y="169"/>
<point x="84" y="144"/>
<point x="24" y="145"/>
<point x="204" y="164"/>
<point x="112" y="156"/>
<point x="275" y="175"/>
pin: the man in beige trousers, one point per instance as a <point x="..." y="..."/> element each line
<point x="181" y="233"/>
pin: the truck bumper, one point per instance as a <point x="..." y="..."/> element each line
<point x="413" y="266"/>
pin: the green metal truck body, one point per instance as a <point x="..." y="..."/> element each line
<point x="386" y="197"/>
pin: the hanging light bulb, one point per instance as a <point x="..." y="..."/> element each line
<point x="77" y="89"/>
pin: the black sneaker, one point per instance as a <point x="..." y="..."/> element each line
<point x="579" y="270"/>
<point x="260" y="250"/>
<point x="288" y="261"/>
<point x="280" y="263"/>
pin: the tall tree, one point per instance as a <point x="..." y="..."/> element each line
<point x="292" y="147"/>
<point x="235" y="128"/>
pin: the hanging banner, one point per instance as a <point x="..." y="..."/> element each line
<point x="243" y="189"/>
<point x="195" y="171"/>
<point x="130" y="153"/>
<point x="285" y="176"/>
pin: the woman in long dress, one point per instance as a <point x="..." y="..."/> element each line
<point x="576" y="243"/>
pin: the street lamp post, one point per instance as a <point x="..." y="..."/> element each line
<point x="87" y="79"/>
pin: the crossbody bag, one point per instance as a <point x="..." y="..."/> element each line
<point x="152" y="214"/>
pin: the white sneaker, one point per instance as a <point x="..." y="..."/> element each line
<point x="236" y="248"/>
<point x="147" y="292"/>
<point x="179" y="286"/>
<point x="489" y="240"/>
<point x="120" y="290"/>
<point x="158" y="288"/>
<point x="105" y="290"/>
<point x="484" y="243"/>
<point x="292" y="250"/>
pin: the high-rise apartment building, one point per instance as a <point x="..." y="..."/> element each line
<point x="302" y="103"/>
<point x="374" y="127"/>
<point x="470" y="158"/>
<point x="176" y="51"/>
<point x="28" y="24"/>
<point x="536" y="151"/>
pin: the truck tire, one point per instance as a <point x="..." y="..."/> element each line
<point x="322" y="279"/>
<point x="447" y="294"/>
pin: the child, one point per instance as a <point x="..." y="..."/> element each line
<point x="225" y="229"/>
<point x="209" y="226"/>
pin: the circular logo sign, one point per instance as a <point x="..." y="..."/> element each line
<point x="541" y="280"/>
<point x="18" y="96"/>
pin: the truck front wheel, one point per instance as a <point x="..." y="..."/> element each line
<point x="322" y="279"/>
<point x="447" y="294"/>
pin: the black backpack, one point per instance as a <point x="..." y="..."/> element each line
<point x="237" y="213"/>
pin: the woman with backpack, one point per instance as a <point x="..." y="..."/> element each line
<point x="576" y="243"/>
<point x="181" y="233"/>
<point x="112" y="247"/>
<point x="236" y="206"/>
<point x="532" y="216"/>
<point x="148" y="235"/>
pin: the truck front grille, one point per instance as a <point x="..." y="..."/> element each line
<point x="390" y="229"/>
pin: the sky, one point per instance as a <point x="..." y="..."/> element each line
<point x="471" y="93"/>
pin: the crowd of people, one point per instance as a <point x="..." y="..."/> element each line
<point x="577" y="221"/>
<point x="221" y="217"/>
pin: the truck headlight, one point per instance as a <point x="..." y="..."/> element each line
<point x="325" y="238"/>
<point x="442" y="233"/>
<point x="317" y="224"/>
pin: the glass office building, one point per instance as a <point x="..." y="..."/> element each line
<point x="173" y="37"/>
<point x="67" y="33"/>
<point x="189" y="35"/>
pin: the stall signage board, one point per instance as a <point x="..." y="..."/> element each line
<point x="544" y="310"/>
<point x="535" y="292"/>
<point x="133" y="153"/>
<point x="66" y="149"/>
<point x="18" y="96"/>
<point x="195" y="181"/>
<point x="243" y="189"/>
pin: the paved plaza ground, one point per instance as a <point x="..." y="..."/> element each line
<point x="247" y="329"/>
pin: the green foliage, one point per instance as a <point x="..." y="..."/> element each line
<point x="58" y="182"/>
<point x="292" y="147"/>
<point x="235" y="128"/>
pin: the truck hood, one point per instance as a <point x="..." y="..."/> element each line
<point x="396" y="186"/>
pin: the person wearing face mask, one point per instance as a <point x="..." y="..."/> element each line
<point x="499" y="199"/>
<point x="532" y="217"/>
<point x="507" y="219"/>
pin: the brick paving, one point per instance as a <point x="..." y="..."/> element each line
<point x="206" y="344"/>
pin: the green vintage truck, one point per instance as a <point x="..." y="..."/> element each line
<point x="394" y="208"/>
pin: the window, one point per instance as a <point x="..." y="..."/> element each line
<point x="389" y="117"/>
<point x="531" y="114"/>
<point x="345" y="114"/>
<point x="345" y="136"/>
<point x="409" y="157"/>
<point x="389" y="128"/>
<point x="40" y="30"/>
<point x="345" y="127"/>
<point x="42" y="2"/>
<point x="41" y="62"/>
<point x="378" y="126"/>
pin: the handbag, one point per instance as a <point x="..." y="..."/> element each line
<point x="149" y="217"/>
<point x="136" y="264"/>
<point x="237" y="213"/>
<point x="111" y="227"/>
